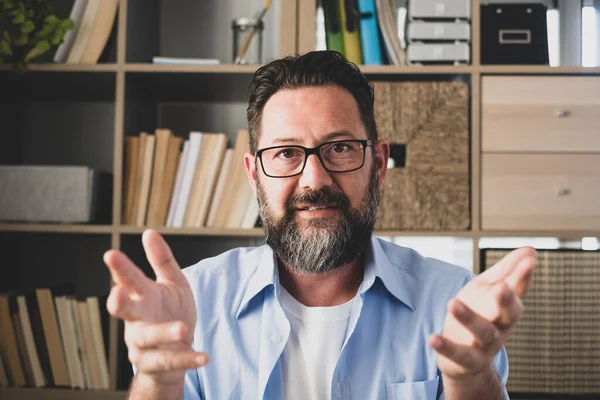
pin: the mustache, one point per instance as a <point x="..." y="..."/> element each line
<point x="322" y="197"/>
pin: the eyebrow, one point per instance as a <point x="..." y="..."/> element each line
<point x="330" y="136"/>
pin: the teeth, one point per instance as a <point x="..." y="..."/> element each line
<point x="316" y="208"/>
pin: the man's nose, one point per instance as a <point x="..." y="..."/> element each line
<point x="314" y="176"/>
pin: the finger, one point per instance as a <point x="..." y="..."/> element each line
<point x="148" y="335"/>
<point x="503" y="268"/>
<point x="510" y="306"/>
<point x="161" y="258"/>
<point x="155" y="361"/>
<point x="522" y="277"/>
<point x="121" y="305"/>
<point x="125" y="273"/>
<point x="470" y="358"/>
<point x="486" y="335"/>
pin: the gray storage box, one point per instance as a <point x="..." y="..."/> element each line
<point x="442" y="53"/>
<point x="59" y="194"/>
<point x="427" y="9"/>
<point x="448" y="31"/>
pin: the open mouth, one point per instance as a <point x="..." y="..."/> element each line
<point x="313" y="208"/>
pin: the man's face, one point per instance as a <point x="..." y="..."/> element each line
<point x="316" y="240"/>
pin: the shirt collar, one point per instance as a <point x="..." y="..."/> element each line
<point x="265" y="275"/>
<point x="396" y="278"/>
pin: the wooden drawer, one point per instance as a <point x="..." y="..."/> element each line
<point x="540" y="113"/>
<point x="540" y="192"/>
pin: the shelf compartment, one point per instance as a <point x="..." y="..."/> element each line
<point x="172" y="29"/>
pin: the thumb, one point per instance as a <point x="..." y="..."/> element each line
<point x="161" y="259"/>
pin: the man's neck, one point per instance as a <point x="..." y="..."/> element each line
<point x="323" y="290"/>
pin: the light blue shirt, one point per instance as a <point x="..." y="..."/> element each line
<point x="385" y="355"/>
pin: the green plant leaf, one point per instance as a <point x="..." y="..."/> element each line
<point x="52" y="19"/>
<point x="5" y="48"/>
<point x="58" y="36"/>
<point x="43" y="46"/>
<point x="67" y="24"/>
<point x="8" y="4"/>
<point x="14" y="12"/>
<point x="27" y="26"/>
<point x="18" y="19"/>
<point x="21" y="40"/>
<point x="7" y="37"/>
<point x="46" y="31"/>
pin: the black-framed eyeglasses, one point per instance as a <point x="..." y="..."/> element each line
<point x="336" y="156"/>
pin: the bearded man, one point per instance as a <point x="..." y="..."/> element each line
<point x="324" y="310"/>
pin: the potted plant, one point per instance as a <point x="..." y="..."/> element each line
<point x="28" y="29"/>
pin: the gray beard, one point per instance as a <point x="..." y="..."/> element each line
<point x="321" y="244"/>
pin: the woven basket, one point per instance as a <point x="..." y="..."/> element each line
<point x="555" y="347"/>
<point x="431" y="192"/>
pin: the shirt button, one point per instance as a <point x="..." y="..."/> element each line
<point x="276" y="338"/>
<point x="339" y="390"/>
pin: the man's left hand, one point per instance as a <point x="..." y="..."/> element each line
<point x="481" y="316"/>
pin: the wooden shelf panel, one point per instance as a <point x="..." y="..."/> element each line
<point x="59" y="394"/>
<point x="536" y="69"/>
<point x="460" y="234"/>
<point x="215" y="69"/>
<point x="195" y="231"/>
<point x="69" y="67"/>
<point x="55" y="228"/>
<point x="426" y="69"/>
<point x="546" y="234"/>
<point x="366" y="69"/>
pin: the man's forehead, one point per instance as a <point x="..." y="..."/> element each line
<point x="311" y="114"/>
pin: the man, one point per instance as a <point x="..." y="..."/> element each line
<point x="325" y="309"/>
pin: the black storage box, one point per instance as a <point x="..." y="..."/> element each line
<point x="514" y="34"/>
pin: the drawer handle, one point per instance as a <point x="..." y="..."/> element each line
<point x="561" y="191"/>
<point x="560" y="113"/>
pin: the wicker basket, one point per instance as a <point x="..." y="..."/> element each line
<point x="431" y="192"/>
<point x="555" y="347"/>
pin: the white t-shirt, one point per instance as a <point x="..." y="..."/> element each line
<point x="313" y="348"/>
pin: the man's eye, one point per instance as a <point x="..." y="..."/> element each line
<point x="340" y="148"/>
<point x="286" y="153"/>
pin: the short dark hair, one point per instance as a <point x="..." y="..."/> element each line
<point x="316" y="68"/>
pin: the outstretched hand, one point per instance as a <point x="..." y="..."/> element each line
<point x="482" y="315"/>
<point x="159" y="316"/>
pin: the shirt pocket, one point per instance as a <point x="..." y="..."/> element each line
<point x="424" y="390"/>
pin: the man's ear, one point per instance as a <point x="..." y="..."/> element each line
<point x="382" y="155"/>
<point x="250" y="164"/>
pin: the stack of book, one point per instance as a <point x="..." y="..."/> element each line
<point x="365" y="31"/>
<point x="196" y="183"/>
<point x="94" y="20"/>
<point x="52" y="340"/>
<point x="439" y="32"/>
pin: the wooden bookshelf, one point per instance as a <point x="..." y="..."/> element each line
<point x="107" y="94"/>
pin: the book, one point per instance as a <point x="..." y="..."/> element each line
<point x="9" y="344"/>
<point x="83" y="33"/>
<point x="350" y="33"/>
<point x="369" y="33"/>
<point x="173" y="156"/>
<point x="65" y="47"/>
<point x="103" y="23"/>
<point x="132" y="153"/>
<point x="52" y="334"/>
<point x="158" y="174"/>
<point x="184" y="61"/>
<point x="145" y="181"/>
<point x="333" y="26"/>
<point x="179" y="178"/>
<point x="196" y="143"/>
<point x="217" y="197"/>
<point x="31" y="350"/>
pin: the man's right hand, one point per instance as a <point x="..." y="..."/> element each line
<point x="159" y="316"/>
